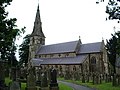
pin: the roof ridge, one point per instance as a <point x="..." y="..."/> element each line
<point x="61" y="43"/>
<point x="91" y="43"/>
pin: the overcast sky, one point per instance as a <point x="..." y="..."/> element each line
<point x="64" y="20"/>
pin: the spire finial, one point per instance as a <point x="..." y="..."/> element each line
<point x="102" y="38"/>
<point x="38" y="5"/>
<point x="80" y="40"/>
<point x="79" y="37"/>
<point x="38" y="2"/>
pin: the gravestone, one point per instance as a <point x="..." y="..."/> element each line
<point x="93" y="78"/>
<point x="49" y="75"/>
<point x="67" y="73"/>
<point x="31" y="85"/>
<point x="61" y="72"/>
<point x="39" y="77"/>
<point x="114" y="82"/>
<point x="106" y="78"/>
<point x="97" y="78"/>
<point x="44" y="82"/>
<point x="109" y="78"/>
<point x="75" y="76"/>
<point x="87" y="77"/>
<point x="100" y="78"/>
<point x="15" y="85"/>
<point x="18" y="73"/>
<point x="119" y="80"/>
<point x="53" y="81"/>
<point x="13" y="72"/>
<point x="83" y="78"/>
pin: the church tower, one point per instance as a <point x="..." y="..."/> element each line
<point x="37" y="38"/>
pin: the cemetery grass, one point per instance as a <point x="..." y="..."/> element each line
<point x="7" y="81"/>
<point x="61" y="86"/>
<point x="64" y="87"/>
<point x="23" y="85"/>
<point x="103" y="86"/>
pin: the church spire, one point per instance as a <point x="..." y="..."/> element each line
<point x="37" y="29"/>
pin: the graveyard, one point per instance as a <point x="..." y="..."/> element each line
<point x="70" y="65"/>
<point x="20" y="82"/>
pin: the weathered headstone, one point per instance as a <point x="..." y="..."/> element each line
<point x="100" y="78"/>
<point x="31" y="82"/>
<point x="15" y="86"/>
<point x="109" y="78"/>
<point x="114" y="83"/>
<point x="119" y="80"/>
<point x="61" y="72"/>
<point x="18" y="73"/>
<point x="106" y="78"/>
<point x="67" y="73"/>
<point x="93" y="78"/>
<point x="83" y="78"/>
<point x="87" y="77"/>
<point x="13" y="72"/>
<point x="53" y="81"/>
<point x="44" y="82"/>
<point x="97" y="78"/>
<point x="39" y="77"/>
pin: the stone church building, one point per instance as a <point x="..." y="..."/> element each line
<point x="66" y="57"/>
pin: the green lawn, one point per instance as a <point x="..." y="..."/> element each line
<point x="61" y="87"/>
<point x="7" y="81"/>
<point x="103" y="86"/>
<point x="23" y="85"/>
<point x="64" y="87"/>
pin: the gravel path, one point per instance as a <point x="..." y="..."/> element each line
<point x="75" y="86"/>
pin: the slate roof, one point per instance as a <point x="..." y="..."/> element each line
<point x="90" y="48"/>
<point x="66" y="60"/>
<point x="58" y="48"/>
<point x="70" y="47"/>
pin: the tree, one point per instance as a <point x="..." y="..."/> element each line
<point x="24" y="50"/>
<point x="8" y="35"/>
<point x="8" y="32"/>
<point x="112" y="9"/>
<point x="113" y="49"/>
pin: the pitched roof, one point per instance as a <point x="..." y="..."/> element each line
<point x="90" y="48"/>
<point x="58" y="48"/>
<point x="65" y="60"/>
<point x="70" y="47"/>
<point x="37" y="29"/>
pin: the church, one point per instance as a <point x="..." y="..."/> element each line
<point x="67" y="56"/>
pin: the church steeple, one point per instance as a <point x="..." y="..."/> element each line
<point x="37" y="29"/>
<point x="37" y="38"/>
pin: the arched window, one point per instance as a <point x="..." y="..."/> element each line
<point x="41" y="41"/>
<point x="74" y="68"/>
<point x="93" y="60"/>
<point x="60" y="68"/>
<point x="93" y="64"/>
